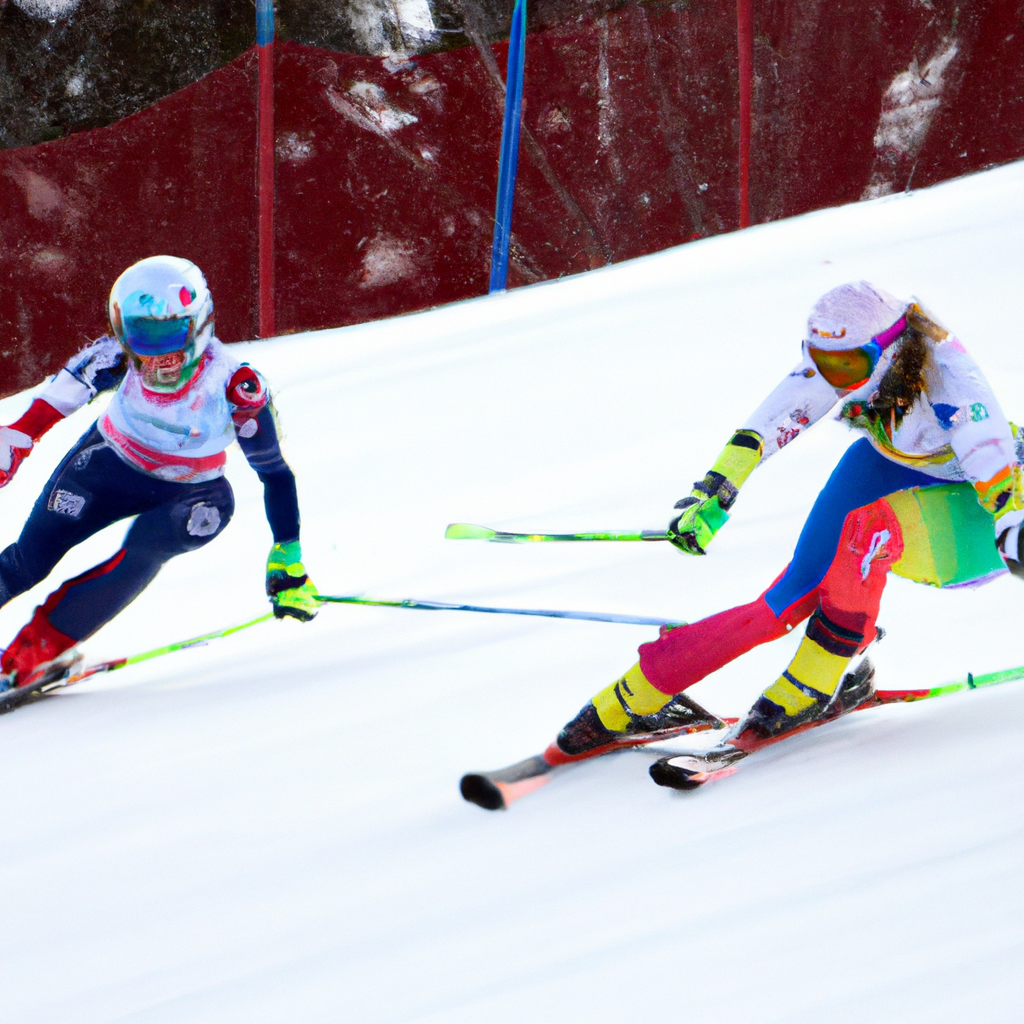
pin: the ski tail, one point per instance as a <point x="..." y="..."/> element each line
<point x="690" y="771"/>
<point x="494" y="791"/>
<point x="497" y="790"/>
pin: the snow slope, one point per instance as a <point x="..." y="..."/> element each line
<point x="269" y="828"/>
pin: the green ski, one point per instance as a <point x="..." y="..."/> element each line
<point x="43" y="687"/>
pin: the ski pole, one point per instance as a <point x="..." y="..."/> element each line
<point x="157" y="652"/>
<point x="467" y="531"/>
<point x="633" y="620"/>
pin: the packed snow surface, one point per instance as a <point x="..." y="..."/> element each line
<point x="269" y="828"/>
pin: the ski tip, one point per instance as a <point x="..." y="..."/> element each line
<point x="667" y="774"/>
<point x="467" y="531"/>
<point x="480" y="790"/>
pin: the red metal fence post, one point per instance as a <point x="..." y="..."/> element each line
<point x="265" y="176"/>
<point x="745" y="46"/>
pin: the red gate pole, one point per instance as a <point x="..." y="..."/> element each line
<point x="745" y="45"/>
<point x="265" y="163"/>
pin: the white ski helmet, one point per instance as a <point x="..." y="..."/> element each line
<point x="854" y="314"/>
<point x="161" y="305"/>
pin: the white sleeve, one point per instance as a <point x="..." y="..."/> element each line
<point x="798" y="402"/>
<point x="980" y="435"/>
<point x="984" y="448"/>
<point x="98" y="367"/>
<point x="66" y="393"/>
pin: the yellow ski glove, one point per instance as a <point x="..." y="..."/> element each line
<point x="291" y="591"/>
<point x="706" y="510"/>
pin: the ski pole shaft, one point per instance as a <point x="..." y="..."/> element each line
<point x="467" y="531"/>
<point x="633" y="620"/>
<point x="156" y="652"/>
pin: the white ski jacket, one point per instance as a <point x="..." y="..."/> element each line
<point x="955" y="431"/>
<point x="180" y="436"/>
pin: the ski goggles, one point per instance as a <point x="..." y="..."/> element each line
<point x="848" y="368"/>
<point x="147" y="337"/>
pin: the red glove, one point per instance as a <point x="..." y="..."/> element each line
<point x="16" y="441"/>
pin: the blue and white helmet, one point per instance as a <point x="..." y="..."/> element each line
<point x="162" y="304"/>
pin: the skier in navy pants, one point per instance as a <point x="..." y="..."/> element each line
<point x="157" y="455"/>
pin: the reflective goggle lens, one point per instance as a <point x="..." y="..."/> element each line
<point x="847" y="367"/>
<point x="148" y="337"/>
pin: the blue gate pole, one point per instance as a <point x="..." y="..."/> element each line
<point x="509" y="148"/>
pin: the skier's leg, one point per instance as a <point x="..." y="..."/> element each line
<point x="82" y="605"/>
<point x="89" y="490"/>
<point x="683" y="656"/>
<point x="842" y="625"/>
<point x="937" y="535"/>
<point x="680" y="657"/>
<point x="861" y="477"/>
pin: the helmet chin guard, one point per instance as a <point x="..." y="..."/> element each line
<point x="159" y="307"/>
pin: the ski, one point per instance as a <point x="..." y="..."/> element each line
<point x="56" y="677"/>
<point x="467" y="531"/>
<point x="497" y="790"/>
<point x="64" y="675"/>
<point x="445" y="606"/>
<point x="692" y="769"/>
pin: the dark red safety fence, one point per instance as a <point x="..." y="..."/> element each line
<point x="178" y="177"/>
<point x="386" y="169"/>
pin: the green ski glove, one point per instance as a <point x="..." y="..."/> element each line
<point x="291" y="591"/>
<point x="706" y="510"/>
<point x="692" y="530"/>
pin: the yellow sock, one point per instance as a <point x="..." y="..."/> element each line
<point x="812" y="666"/>
<point x="633" y="691"/>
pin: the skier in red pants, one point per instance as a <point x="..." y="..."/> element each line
<point x="156" y="456"/>
<point x="933" y="493"/>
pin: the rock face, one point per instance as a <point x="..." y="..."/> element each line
<point x="70" y="65"/>
<point x="387" y="124"/>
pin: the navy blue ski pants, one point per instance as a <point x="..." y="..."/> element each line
<point x="92" y="488"/>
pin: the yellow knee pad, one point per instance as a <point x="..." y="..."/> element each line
<point x="628" y="697"/>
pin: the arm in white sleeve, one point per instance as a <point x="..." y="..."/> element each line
<point x="92" y="370"/>
<point x="99" y="367"/>
<point x="800" y="400"/>
<point x="984" y="449"/>
<point x="980" y="435"/>
<point x="796" y="404"/>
